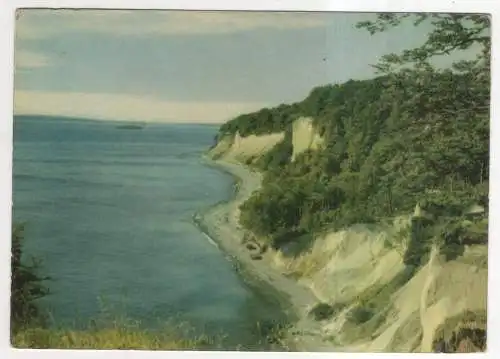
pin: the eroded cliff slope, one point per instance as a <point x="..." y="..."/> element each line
<point x="373" y="301"/>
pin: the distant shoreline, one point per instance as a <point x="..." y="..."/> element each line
<point x="65" y="118"/>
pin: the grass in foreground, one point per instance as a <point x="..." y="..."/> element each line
<point x="113" y="338"/>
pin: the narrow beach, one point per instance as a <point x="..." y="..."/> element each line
<point x="222" y="225"/>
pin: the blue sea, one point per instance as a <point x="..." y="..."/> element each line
<point x="109" y="212"/>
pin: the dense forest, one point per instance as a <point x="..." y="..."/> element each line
<point x="415" y="134"/>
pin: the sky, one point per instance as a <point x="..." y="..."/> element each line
<point x="180" y="66"/>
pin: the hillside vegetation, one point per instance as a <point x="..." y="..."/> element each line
<point x="380" y="207"/>
<point x="413" y="135"/>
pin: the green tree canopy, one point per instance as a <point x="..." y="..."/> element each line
<point x="416" y="133"/>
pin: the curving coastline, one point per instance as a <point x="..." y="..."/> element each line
<point x="221" y="224"/>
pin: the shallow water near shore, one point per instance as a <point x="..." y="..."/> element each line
<point x="109" y="211"/>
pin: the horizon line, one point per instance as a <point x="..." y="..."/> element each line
<point x="94" y="119"/>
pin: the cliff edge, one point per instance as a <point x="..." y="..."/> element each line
<point x="372" y="300"/>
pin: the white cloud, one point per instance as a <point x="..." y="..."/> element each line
<point x="126" y="107"/>
<point x="24" y="59"/>
<point x="41" y="23"/>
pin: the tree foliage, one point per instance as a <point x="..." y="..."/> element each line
<point x="413" y="67"/>
<point x="414" y="134"/>
<point x="26" y="284"/>
<point x="261" y="122"/>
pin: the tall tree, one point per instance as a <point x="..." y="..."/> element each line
<point x="439" y="90"/>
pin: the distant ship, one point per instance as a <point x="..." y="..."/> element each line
<point x="133" y="126"/>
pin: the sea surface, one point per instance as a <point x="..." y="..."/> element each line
<point x="109" y="212"/>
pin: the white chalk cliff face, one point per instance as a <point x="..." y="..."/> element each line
<point x="304" y="136"/>
<point x="346" y="266"/>
<point x="244" y="148"/>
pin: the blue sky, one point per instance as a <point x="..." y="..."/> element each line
<point x="188" y="66"/>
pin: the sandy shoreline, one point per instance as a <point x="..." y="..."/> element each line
<point x="221" y="224"/>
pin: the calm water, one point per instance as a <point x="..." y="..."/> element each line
<point x="109" y="211"/>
